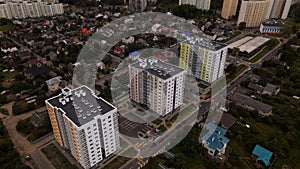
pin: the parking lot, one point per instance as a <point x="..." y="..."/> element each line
<point x="131" y="128"/>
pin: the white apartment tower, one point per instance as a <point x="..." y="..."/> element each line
<point x="84" y="124"/>
<point x="157" y="85"/>
<point x="205" y="59"/>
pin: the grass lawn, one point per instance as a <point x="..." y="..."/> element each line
<point x="130" y="152"/>
<point x="32" y="133"/>
<point x="4" y="111"/>
<point x="6" y="27"/>
<point x="117" y="162"/>
<point x="58" y="160"/>
<point x="264" y="51"/>
<point x="157" y="121"/>
<point x="9" y="75"/>
<point x="238" y="71"/>
<point x="123" y="143"/>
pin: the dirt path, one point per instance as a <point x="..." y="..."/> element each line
<point x="23" y="146"/>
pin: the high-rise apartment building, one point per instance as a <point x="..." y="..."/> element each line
<point x="137" y="5"/>
<point x="229" y="8"/>
<point x="23" y="9"/>
<point x="200" y="4"/>
<point x="84" y="124"/>
<point x="5" y="11"/>
<point x="286" y="9"/>
<point x="205" y="60"/>
<point x="254" y="12"/>
<point x="157" y="85"/>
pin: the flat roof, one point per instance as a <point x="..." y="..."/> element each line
<point x="157" y="67"/>
<point x="253" y="44"/>
<point x="273" y="22"/>
<point x="80" y="105"/>
<point x="239" y="42"/>
<point x="203" y="42"/>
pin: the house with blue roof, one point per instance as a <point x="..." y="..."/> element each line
<point x="263" y="155"/>
<point x="134" y="55"/>
<point x="214" y="140"/>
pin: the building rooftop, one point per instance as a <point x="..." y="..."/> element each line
<point x="227" y="120"/>
<point x="273" y="22"/>
<point x="157" y="67"/>
<point x="204" y="43"/>
<point x="80" y="105"/>
<point x="54" y="80"/>
<point x="239" y="42"/>
<point x="248" y="101"/>
<point x="253" y="44"/>
<point x="215" y="137"/>
<point x="262" y="154"/>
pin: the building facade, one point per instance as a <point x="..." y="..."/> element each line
<point x="205" y="60"/>
<point x="254" y="12"/>
<point x="25" y="9"/>
<point x="229" y="8"/>
<point x="271" y="26"/>
<point x="84" y="124"/>
<point x="137" y="5"/>
<point x="157" y="85"/>
<point x="200" y="4"/>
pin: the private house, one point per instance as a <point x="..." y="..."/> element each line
<point x="31" y="73"/>
<point x="9" y="48"/>
<point x="37" y="118"/>
<point x="271" y="90"/>
<point x="252" y="104"/>
<point x="255" y="87"/>
<point x="119" y="49"/>
<point x="214" y="140"/>
<point x="53" y="84"/>
<point x="227" y="120"/>
<point x="262" y="155"/>
<point x="134" y="55"/>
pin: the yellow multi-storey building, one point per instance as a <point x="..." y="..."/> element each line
<point x="204" y="60"/>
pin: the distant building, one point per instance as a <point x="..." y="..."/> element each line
<point x="263" y="156"/>
<point x="200" y="4"/>
<point x="272" y="26"/>
<point x="214" y="140"/>
<point x="253" y="12"/>
<point x="24" y="9"/>
<point x="249" y="46"/>
<point x="229" y="8"/>
<point x="84" y="124"/>
<point x="137" y="5"/>
<point x="205" y="60"/>
<point x="156" y="85"/>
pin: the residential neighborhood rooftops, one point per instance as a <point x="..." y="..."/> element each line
<point x="262" y="154"/>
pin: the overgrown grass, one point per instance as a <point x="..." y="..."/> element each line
<point x="265" y="50"/>
<point x="238" y="71"/>
<point x="58" y="160"/>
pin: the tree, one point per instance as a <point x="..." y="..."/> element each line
<point x="242" y="25"/>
